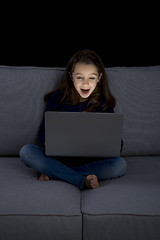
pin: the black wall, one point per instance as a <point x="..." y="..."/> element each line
<point x="121" y="38"/>
<point x="55" y="52"/>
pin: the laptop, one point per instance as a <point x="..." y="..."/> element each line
<point x="83" y="134"/>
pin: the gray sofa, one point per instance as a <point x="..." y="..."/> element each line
<point x="123" y="208"/>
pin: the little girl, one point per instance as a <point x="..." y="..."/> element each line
<point x="84" y="87"/>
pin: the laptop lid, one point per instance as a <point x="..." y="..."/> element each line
<point x="83" y="134"/>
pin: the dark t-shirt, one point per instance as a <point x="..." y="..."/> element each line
<point x="55" y="104"/>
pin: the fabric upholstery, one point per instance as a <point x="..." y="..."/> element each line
<point x="137" y="93"/>
<point x="122" y="208"/>
<point x="45" y="209"/>
<point x="128" y="207"/>
<point x="136" y="90"/>
<point x="21" y="103"/>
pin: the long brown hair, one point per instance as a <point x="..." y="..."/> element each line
<point x="101" y="92"/>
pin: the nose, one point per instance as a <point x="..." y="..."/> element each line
<point x="85" y="82"/>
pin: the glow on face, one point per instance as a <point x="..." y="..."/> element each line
<point x="85" y="78"/>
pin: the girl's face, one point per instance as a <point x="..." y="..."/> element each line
<point x="85" y="78"/>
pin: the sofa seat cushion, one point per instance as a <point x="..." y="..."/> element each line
<point x="52" y="205"/>
<point x="130" y="203"/>
<point x="135" y="193"/>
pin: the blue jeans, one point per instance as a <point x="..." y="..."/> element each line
<point x="71" y="170"/>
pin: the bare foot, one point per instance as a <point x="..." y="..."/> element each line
<point x="43" y="177"/>
<point x="91" y="181"/>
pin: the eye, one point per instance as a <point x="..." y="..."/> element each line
<point x="79" y="78"/>
<point x="92" y="78"/>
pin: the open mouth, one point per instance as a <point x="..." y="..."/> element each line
<point x="85" y="91"/>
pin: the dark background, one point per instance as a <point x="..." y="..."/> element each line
<point x="47" y="36"/>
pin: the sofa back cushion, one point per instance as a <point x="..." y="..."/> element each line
<point x="22" y="91"/>
<point x="137" y="91"/>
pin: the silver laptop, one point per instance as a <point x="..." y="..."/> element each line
<point x="83" y="134"/>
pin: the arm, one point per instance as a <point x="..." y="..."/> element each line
<point x="111" y="110"/>
<point x="52" y="105"/>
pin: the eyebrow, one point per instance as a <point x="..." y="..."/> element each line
<point x="88" y="74"/>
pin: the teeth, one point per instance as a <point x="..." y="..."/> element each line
<point x="85" y="90"/>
